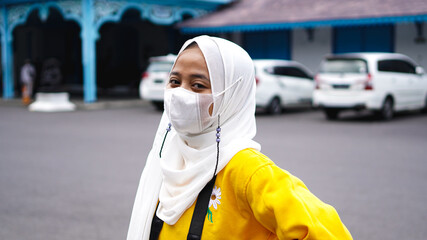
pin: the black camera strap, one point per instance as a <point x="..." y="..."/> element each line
<point x="198" y="219"/>
<point x="200" y="211"/>
<point x="156" y="226"/>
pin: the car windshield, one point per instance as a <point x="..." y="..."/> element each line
<point x="344" y="66"/>
<point x="160" y="67"/>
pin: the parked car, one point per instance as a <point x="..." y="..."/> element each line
<point x="380" y="82"/>
<point x="155" y="78"/>
<point x="282" y="84"/>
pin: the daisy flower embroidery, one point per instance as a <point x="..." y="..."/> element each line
<point x="215" y="197"/>
<point x="215" y="201"/>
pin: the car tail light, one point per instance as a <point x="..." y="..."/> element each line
<point x="256" y="80"/>
<point x="317" y="81"/>
<point x="368" y="82"/>
<point x="145" y="75"/>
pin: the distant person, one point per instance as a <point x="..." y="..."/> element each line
<point x="28" y="75"/>
<point x="205" y="174"/>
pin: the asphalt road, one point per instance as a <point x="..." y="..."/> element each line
<point x="74" y="175"/>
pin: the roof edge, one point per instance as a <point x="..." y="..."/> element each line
<point x="305" y="24"/>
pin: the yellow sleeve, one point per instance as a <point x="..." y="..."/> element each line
<point x="284" y="205"/>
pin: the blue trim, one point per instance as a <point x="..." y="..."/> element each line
<point x="287" y="25"/>
<point x="203" y="4"/>
<point x="7" y="2"/>
<point x="7" y="58"/>
<point x="14" y="2"/>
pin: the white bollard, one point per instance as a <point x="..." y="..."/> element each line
<point x="52" y="102"/>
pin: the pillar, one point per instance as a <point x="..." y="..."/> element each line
<point x="7" y="57"/>
<point x="88" y="37"/>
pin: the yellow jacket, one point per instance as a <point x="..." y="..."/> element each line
<point x="255" y="199"/>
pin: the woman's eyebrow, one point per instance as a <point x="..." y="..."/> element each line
<point x="176" y="73"/>
<point x="202" y="76"/>
<point x="194" y="75"/>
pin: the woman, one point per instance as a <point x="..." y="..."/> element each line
<point x="205" y="176"/>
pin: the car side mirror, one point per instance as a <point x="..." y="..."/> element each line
<point x="419" y="70"/>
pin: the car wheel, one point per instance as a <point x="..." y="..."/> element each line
<point x="158" y="105"/>
<point x="331" y="114"/>
<point x="274" y="107"/>
<point x="386" y="113"/>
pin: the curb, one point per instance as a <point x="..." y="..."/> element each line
<point x="81" y="105"/>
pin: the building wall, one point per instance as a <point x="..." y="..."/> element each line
<point x="268" y="44"/>
<point x="405" y="35"/>
<point x="366" y="38"/>
<point x="310" y="53"/>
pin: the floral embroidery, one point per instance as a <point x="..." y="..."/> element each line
<point x="210" y="215"/>
<point x="215" y="201"/>
<point x="215" y="197"/>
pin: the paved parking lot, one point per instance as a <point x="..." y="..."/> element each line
<point x="74" y="175"/>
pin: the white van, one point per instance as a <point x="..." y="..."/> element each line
<point x="381" y="82"/>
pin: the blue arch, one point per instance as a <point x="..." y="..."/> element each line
<point x="146" y="15"/>
<point x="66" y="16"/>
<point x="43" y="9"/>
<point x="117" y="17"/>
<point x="182" y="12"/>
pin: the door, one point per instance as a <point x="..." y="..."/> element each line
<point x="288" y="86"/>
<point x="268" y="44"/>
<point x="363" y="39"/>
<point x="297" y="83"/>
<point x="400" y="79"/>
<point x="415" y="92"/>
<point x="305" y="85"/>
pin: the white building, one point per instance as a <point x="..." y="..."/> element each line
<point x="306" y="30"/>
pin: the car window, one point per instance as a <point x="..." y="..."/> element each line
<point x="301" y="74"/>
<point x="290" y="71"/>
<point x="344" y="65"/>
<point x="396" y="65"/>
<point x="160" y="67"/>
<point x="281" y="71"/>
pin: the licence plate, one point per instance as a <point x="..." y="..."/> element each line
<point x="341" y="86"/>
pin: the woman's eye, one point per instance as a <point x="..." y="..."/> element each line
<point x="174" y="82"/>
<point x="199" y="86"/>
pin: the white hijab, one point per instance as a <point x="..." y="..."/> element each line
<point x="188" y="161"/>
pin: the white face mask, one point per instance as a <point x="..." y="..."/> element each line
<point x="188" y="111"/>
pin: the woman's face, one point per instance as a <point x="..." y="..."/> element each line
<point x="191" y="72"/>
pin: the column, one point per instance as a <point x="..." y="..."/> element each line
<point x="88" y="36"/>
<point x="7" y="58"/>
